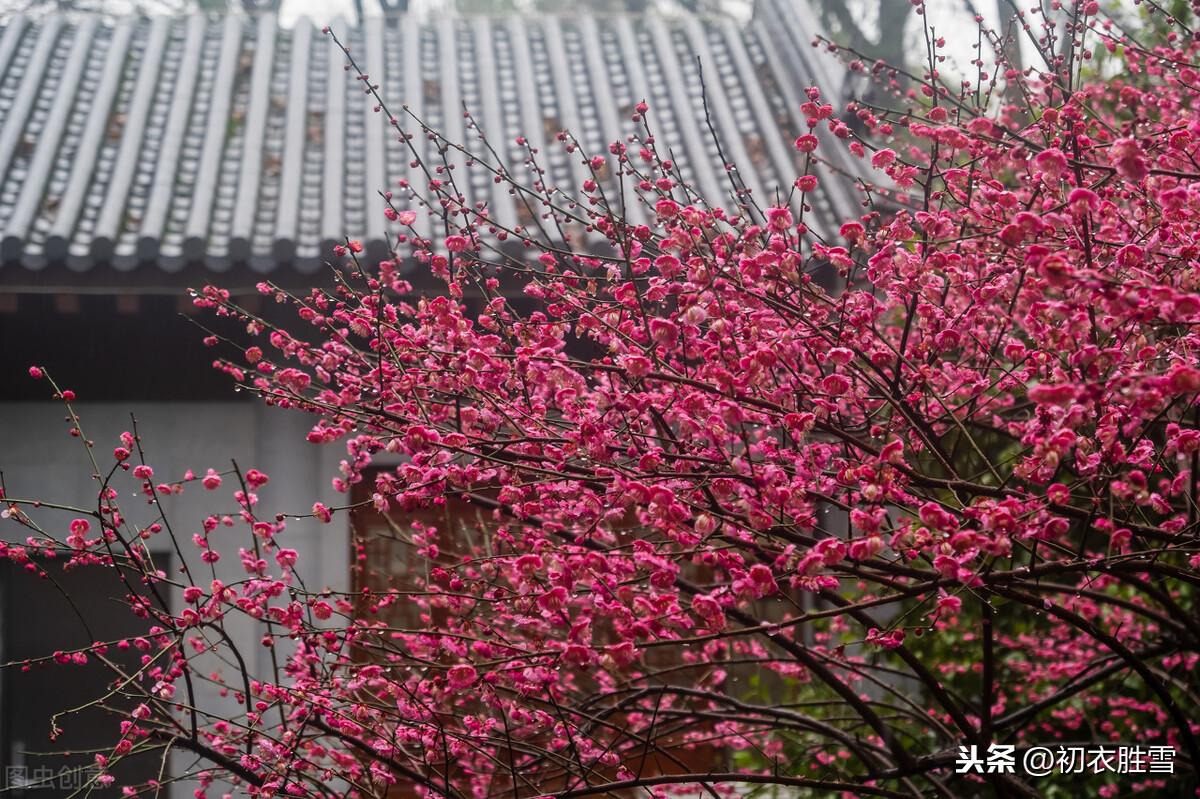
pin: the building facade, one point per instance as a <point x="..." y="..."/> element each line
<point x="140" y="157"/>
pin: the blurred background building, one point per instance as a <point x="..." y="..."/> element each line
<point x="143" y="155"/>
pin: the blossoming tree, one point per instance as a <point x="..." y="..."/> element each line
<point x="824" y="537"/>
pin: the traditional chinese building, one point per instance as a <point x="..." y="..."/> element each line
<point x="139" y="157"/>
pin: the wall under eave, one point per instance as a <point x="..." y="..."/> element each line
<point x="39" y="459"/>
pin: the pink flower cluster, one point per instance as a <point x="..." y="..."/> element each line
<point x="702" y="504"/>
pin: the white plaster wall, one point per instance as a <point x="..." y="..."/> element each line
<point x="40" y="460"/>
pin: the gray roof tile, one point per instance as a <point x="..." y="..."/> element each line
<point x="220" y="142"/>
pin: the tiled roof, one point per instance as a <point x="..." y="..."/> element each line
<point x="234" y="141"/>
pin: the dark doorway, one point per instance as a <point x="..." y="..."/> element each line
<point x="64" y="611"/>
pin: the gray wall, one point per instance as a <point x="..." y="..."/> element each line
<point x="40" y="460"/>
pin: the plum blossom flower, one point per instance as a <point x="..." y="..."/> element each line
<point x="709" y="609"/>
<point x="780" y="219"/>
<point x="461" y="676"/>
<point x="891" y="639"/>
<point x="1051" y="163"/>
<point x="948" y="603"/>
<point x="835" y="385"/>
<point x="757" y="583"/>
<point x="1053" y="394"/>
<point x="852" y="232"/>
<point x="637" y="365"/>
<point x="1126" y="157"/>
